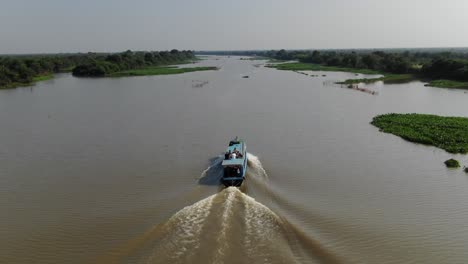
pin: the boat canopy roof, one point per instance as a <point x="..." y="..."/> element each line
<point x="233" y="162"/>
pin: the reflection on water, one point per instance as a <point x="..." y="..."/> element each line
<point x="106" y="170"/>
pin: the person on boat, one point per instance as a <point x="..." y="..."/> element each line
<point x="227" y="155"/>
<point x="238" y="154"/>
<point x="234" y="154"/>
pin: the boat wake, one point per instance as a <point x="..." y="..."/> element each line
<point x="226" y="227"/>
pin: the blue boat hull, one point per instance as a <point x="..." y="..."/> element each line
<point x="235" y="168"/>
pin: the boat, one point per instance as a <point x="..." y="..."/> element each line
<point x="234" y="165"/>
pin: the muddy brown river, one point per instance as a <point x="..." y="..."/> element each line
<point x="126" y="170"/>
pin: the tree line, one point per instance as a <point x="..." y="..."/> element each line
<point x="435" y="63"/>
<point x="128" y="60"/>
<point x="432" y="65"/>
<point x="23" y="69"/>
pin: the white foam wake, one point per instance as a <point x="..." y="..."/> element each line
<point x="255" y="166"/>
<point x="228" y="227"/>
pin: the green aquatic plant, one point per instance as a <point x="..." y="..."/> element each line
<point x="448" y="133"/>
<point x="387" y="78"/>
<point x="452" y="163"/>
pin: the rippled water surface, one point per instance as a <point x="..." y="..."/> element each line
<point x="126" y="170"/>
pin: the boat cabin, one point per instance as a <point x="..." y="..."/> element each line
<point x="234" y="165"/>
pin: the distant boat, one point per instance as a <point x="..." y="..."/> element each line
<point x="234" y="163"/>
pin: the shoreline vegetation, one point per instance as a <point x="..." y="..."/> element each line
<point x="130" y="63"/>
<point x="41" y="78"/>
<point x="448" y="133"/>
<point x="159" y="71"/>
<point x="301" y="66"/>
<point x="447" y="68"/>
<point x="26" y="70"/>
<point x="387" y="77"/>
<point x="448" y="84"/>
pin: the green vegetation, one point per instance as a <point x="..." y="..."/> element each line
<point x="159" y="71"/>
<point x="299" y="66"/>
<point x="448" y="133"/>
<point x="33" y="80"/>
<point x="131" y="63"/>
<point x="27" y="69"/>
<point x="42" y="78"/>
<point x="255" y="58"/>
<point x="448" y="69"/>
<point x="22" y="70"/>
<point x="452" y="163"/>
<point x="387" y="78"/>
<point x="434" y="64"/>
<point x="448" y="84"/>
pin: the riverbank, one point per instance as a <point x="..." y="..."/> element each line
<point x="301" y="66"/>
<point x="448" y="133"/>
<point x="387" y="77"/>
<point x="448" y="84"/>
<point x="159" y="71"/>
<point x="34" y="80"/>
<point x="441" y="69"/>
<point x="136" y="72"/>
<point x="25" y="70"/>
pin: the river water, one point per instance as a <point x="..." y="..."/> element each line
<point x="126" y="170"/>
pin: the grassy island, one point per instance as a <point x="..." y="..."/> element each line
<point x="448" y="133"/>
<point x="159" y="71"/>
<point x="387" y="77"/>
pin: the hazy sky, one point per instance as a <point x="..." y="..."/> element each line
<point x="33" y="26"/>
